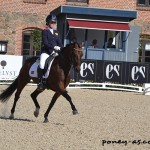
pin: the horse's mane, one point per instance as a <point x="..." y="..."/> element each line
<point x="65" y="50"/>
<point x="73" y="44"/>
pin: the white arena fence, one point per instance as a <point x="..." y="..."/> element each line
<point x="107" y="86"/>
<point x="98" y="86"/>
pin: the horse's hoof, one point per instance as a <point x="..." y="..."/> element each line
<point x="11" y="116"/>
<point x="46" y="121"/>
<point x="75" y="112"/>
<point x="36" y="114"/>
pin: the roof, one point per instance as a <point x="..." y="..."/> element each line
<point x="78" y="10"/>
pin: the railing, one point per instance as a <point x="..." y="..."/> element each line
<point x="103" y="54"/>
<point x="107" y="86"/>
<point x="100" y="86"/>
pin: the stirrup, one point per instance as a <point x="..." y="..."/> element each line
<point x="40" y="86"/>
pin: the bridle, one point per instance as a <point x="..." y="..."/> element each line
<point x="70" y="60"/>
<point x="77" y="50"/>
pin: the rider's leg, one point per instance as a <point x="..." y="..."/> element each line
<point x="43" y="58"/>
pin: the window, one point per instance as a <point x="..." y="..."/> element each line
<point x="31" y="44"/>
<point x="26" y="44"/>
<point x="3" y="47"/>
<point x="80" y="1"/>
<point x="144" y="48"/>
<point x="35" y="1"/>
<point x="146" y="51"/>
<point x="115" y="40"/>
<point x="143" y="2"/>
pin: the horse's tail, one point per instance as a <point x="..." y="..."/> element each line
<point x="5" y="95"/>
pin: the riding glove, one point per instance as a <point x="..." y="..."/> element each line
<point x="57" y="48"/>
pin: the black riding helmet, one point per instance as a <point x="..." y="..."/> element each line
<point x="50" y="18"/>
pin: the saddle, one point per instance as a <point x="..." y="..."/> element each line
<point x="48" y="62"/>
<point x="33" y="72"/>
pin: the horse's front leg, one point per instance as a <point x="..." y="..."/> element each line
<point x="74" y="110"/>
<point x="56" y="95"/>
<point x="37" y="106"/>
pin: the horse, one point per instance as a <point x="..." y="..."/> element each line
<point x="57" y="81"/>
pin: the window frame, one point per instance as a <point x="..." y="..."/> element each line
<point x="35" y="1"/>
<point x="78" y="1"/>
<point x="147" y="3"/>
<point x="3" y="47"/>
<point x="31" y="51"/>
<point x="25" y="42"/>
<point x="118" y="40"/>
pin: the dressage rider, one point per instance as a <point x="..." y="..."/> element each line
<point x="51" y="43"/>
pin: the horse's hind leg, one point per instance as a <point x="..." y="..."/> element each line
<point x="37" y="106"/>
<point x="56" y="95"/>
<point x="17" y="96"/>
<point x="14" y="105"/>
<point x="74" y="110"/>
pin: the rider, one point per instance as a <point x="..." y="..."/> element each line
<point x="51" y="42"/>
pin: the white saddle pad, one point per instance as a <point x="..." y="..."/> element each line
<point x="33" y="69"/>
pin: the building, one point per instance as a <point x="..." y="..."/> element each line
<point x="20" y="17"/>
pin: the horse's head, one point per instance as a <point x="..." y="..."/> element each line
<point x="75" y="54"/>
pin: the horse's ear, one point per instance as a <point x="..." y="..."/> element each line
<point x="76" y="44"/>
<point x="80" y="45"/>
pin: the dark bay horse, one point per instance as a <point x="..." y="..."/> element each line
<point x="57" y="80"/>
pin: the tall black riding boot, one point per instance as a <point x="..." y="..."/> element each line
<point x="40" y="76"/>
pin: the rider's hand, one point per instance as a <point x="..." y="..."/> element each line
<point x="57" y="48"/>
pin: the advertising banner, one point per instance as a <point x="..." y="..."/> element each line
<point x="10" y="66"/>
<point x="137" y="73"/>
<point x="88" y="71"/>
<point x="113" y="72"/>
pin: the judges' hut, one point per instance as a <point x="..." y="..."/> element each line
<point x="85" y="24"/>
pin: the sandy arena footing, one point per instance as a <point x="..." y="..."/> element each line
<point x="107" y="120"/>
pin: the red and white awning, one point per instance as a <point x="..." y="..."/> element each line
<point x="98" y="25"/>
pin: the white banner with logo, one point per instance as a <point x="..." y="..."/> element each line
<point x="10" y="66"/>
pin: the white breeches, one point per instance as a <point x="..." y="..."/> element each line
<point x="43" y="58"/>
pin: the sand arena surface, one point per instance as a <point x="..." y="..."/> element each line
<point x="103" y="115"/>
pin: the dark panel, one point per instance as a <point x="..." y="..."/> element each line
<point x="99" y="71"/>
<point x="88" y="71"/>
<point x="113" y="71"/>
<point x="137" y="73"/>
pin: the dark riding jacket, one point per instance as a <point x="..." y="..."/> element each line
<point x="50" y="40"/>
